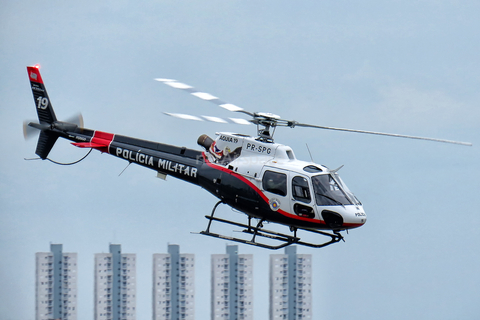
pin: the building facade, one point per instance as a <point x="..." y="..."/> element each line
<point x="173" y="290"/>
<point x="56" y="284"/>
<point x="232" y="285"/>
<point x="115" y="285"/>
<point x="290" y="285"/>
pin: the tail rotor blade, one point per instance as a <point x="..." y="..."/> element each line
<point x="28" y="131"/>
<point x="32" y="128"/>
<point x="76" y="119"/>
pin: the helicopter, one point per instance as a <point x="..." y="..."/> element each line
<point x="253" y="175"/>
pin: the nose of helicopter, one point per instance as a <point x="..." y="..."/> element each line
<point x="357" y="218"/>
<point x="349" y="217"/>
<point x="363" y="219"/>
<point x="360" y="217"/>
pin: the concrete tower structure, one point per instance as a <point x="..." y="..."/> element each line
<point x="115" y="285"/>
<point x="232" y="285"/>
<point x="56" y="284"/>
<point x="290" y="285"/>
<point x="173" y="285"/>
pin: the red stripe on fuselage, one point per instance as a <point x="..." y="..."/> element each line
<point x="102" y="138"/>
<point x="260" y="193"/>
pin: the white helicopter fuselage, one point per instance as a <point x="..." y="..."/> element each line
<point x="295" y="191"/>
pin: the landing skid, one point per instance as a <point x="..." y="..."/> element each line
<point x="258" y="231"/>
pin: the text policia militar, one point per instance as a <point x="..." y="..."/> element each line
<point x="151" y="161"/>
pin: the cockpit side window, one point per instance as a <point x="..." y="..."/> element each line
<point x="275" y="182"/>
<point x="300" y="189"/>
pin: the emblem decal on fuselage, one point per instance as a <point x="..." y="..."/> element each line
<point x="274" y="204"/>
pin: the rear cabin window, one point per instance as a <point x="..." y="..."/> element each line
<point x="275" y="182"/>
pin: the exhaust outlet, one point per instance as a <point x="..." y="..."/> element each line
<point x="205" y="141"/>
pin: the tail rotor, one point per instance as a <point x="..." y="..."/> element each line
<point x="47" y="124"/>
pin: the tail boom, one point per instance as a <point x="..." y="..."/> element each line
<point x="178" y="162"/>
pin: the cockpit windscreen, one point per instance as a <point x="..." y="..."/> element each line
<point x="328" y="192"/>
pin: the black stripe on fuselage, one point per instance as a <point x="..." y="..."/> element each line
<point x="178" y="162"/>
<point x="156" y="146"/>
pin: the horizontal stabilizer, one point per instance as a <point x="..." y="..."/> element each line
<point x="90" y="145"/>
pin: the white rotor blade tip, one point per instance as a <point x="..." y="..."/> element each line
<point x="231" y="107"/>
<point x="215" y="119"/>
<point x="204" y="95"/>
<point x="164" y="80"/>
<point x="240" y="121"/>
<point x="184" y="116"/>
<point x="178" y="85"/>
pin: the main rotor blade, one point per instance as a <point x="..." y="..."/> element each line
<point x="267" y="119"/>
<point x="203" y="95"/>
<point x="208" y="118"/>
<point x="382" y="134"/>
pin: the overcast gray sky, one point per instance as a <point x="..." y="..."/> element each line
<point x="409" y="67"/>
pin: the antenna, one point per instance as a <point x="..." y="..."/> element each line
<point x="311" y="158"/>
<point x="129" y="163"/>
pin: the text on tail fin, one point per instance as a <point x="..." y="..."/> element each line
<point x="42" y="102"/>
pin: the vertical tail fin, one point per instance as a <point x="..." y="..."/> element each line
<point x="46" y="115"/>
<point x="45" y="144"/>
<point x="44" y="107"/>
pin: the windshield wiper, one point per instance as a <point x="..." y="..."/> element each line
<point x="330" y="198"/>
